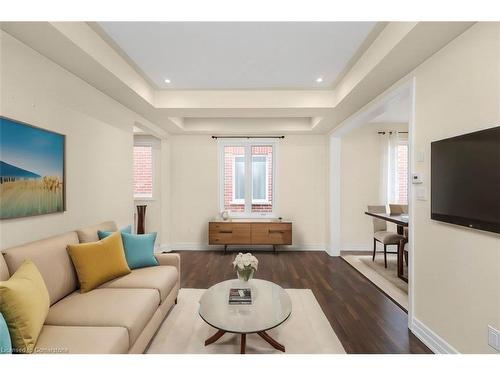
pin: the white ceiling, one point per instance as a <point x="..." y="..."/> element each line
<point x="79" y="48"/>
<point x="240" y="55"/>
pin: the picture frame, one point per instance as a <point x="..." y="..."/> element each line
<point x="32" y="170"/>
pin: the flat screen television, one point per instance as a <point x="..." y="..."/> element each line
<point x="465" y="180"/>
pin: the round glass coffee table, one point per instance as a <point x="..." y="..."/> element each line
<point x="271" y="306"/>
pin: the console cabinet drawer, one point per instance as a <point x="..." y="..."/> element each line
<point x="229" y="233"/>
<point x="271" y="233"/>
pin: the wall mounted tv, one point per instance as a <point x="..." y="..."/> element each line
<point x="465" y="180"/>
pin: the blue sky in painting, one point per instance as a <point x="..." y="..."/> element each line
<point x="33" y="149"/>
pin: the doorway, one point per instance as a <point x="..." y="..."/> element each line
<point x="391" y="105"/>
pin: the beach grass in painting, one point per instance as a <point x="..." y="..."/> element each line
<point x="29" y="198"/>
<point x="31" y="170"/>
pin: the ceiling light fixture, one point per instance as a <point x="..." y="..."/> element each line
<point x="319" y="79"/>
<point x="167" y="80"/>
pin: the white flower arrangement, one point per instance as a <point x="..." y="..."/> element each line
<point x="245" y="261"/>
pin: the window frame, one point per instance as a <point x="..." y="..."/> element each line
<point x="153" y="190"/>
<point x="247" y="144"/>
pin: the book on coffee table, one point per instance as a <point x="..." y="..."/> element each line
<point x="240" y="296"/>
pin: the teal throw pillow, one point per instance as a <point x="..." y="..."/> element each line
<point x="103" y="234"/>
<point x="139" y="249"/>
<point x="5" y="343"/>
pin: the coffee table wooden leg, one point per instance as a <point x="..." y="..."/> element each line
<point x="243" y="343"/>
<point x="275" y="344"/>
<point x="215" y="337"/>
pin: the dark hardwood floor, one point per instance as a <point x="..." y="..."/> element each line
<point x="364" y="319"/>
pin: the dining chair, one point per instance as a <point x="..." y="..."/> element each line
<point x="381" y="234"/>
<point x="402" y="253"/>
<point x="398" y="209"/>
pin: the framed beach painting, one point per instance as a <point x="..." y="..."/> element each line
<point x="32" y="178"/>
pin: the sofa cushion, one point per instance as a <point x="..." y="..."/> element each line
<point x="51" y="259"/>
<point x="98" y="262"/>
<point x="82" y="340"/>
<point x="129" y="308"/>
<point x="89" y="234"/>
<point x="24" y="303"/>
<point x="160" y="278"/>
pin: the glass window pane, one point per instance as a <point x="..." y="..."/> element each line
<point x="143" y="171"/>
<point x="239" y="177"/>
<point x="259" y="177"/>
<point x="262" y="179"/>
<point x="234" y="178"/>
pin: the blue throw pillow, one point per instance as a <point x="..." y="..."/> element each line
<point x="103" y="234"/>
<point x="139" y="249"/>
<point x="5" y="343"/>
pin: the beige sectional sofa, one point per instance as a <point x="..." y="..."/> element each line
<point x="120" y="316"/>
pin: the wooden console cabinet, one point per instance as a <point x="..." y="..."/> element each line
<point x="244" y="232"/>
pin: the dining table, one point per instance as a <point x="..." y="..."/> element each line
<point x="401" y="221"/>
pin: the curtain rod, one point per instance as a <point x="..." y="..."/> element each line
<point x="247" y="136"/>
<point x="390" y="132"/>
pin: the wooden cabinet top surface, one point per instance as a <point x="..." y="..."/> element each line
<point x="256" y="221"/>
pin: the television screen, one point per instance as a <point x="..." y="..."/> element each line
<point x="465" y="180"/>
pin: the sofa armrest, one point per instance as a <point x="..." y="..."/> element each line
<point x="169" y="259"/>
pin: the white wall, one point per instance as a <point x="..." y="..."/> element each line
<point x="193" y="184"/>
<point x="361" y="162"/>
<point x="302" y="189"/>
<point x="98" y="142"/>
<point x="193" y="189"/>
<point x="457" y="270"/>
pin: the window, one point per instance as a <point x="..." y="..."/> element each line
<point x="397" y="169"/>
<point x="143" y="172"/>
<point x="239" y="159"/>
<point x="261" y="178"/>
<point x="401" y="188"/>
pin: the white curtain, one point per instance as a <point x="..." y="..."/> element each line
<point x="388" y="171"/>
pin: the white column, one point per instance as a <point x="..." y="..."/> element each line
<point x="334" y="247"/>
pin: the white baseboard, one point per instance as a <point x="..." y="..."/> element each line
<point x="431" y="339"/>
<point x="365" y="247"/>
<point x="204" y="247"/>
<point x="356" y="247"/>
<point x="189" y="246"/>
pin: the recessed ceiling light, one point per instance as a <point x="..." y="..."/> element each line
<point x="167" y="80"/>
<point x="319" y="79"/>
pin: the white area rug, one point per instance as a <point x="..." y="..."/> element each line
<point x="385" y="279"/>
<point x="307" y="330"/>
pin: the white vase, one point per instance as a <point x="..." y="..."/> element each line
<point x="245" y="275"/>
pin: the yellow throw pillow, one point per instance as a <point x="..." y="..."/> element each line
<point x="98" y="262"/>
<point x="24" y="303"/>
